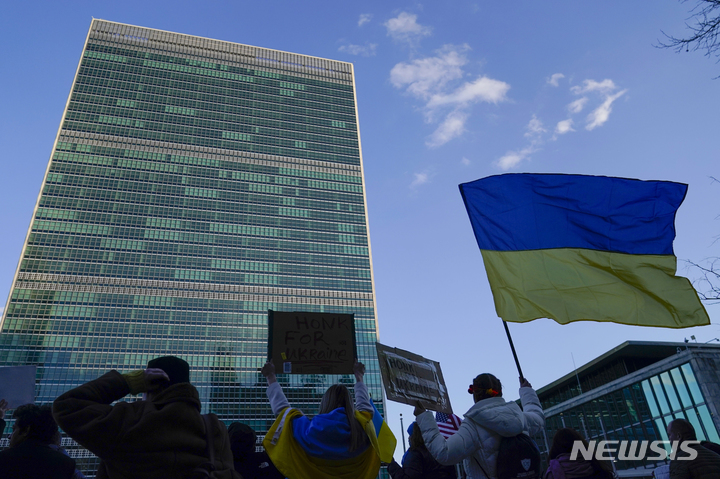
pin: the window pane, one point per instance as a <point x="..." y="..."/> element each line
<point x="692" y="383"/>
<point x="708" y="424"/>
<point x="660" y="395"/>
<point x="670" y="390"/>
<point x="650" y="399"/>
<point x="681" y="387"/>
<point x="695" y="421"/>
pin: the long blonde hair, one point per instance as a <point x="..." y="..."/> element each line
<point x="337" y="396"/>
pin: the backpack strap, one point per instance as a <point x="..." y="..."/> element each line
<point x="481" y="468"/>
<point x="209" y="449"/>
<point x="205" y="470"/>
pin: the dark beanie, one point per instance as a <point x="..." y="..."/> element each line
<point x="177" y="370"/>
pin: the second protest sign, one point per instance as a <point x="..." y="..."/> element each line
<point x="409" y="378"/>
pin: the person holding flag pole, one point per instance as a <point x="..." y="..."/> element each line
<point x="487" y="422"/>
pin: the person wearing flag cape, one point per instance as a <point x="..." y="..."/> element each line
<point x="344" y="441"/>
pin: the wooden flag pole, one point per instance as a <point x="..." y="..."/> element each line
<point x="512" y="347"/>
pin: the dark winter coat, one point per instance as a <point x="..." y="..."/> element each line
<point x="163" y="438"/>
<point x="34" y="460"/>
<point x="419" y="464"/>
<point x="563" y="468"/>
<point x="705" y="466"/>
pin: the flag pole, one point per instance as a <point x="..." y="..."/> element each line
<point x="512" y="347"/>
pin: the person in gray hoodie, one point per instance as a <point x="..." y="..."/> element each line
<point x="489" y="420"/>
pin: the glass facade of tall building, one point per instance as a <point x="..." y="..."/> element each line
<point x="194" y="185"/>
<point x="632" y="393"/>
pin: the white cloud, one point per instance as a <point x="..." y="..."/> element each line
<point x="428" y="75"/>
<point x="452" y="127"/>
<point x="564" y="126"/>
<point x="364" y="18"/>
<point x="465" y="161"/>
<point x="367" y="50"/>
<point x="577" y="105"/>
<point x="604" y="86"/>
<point x="555" y="78"/>
<point x="513" y="158"/>
<point x="602" y="113"/>
<point x="483" y="89"/>
<point x="404" y="28"/>
<point x="419" y="179"/>
<point x="534" y="128"/>
<point x="433" y="80"/>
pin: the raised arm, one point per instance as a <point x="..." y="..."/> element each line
<point x="86" y="415"/>
<point x="362" y="397"/>
<point x="275" y="394"/>
<point x="445" y="451"/>
<point x="532" y="409"/>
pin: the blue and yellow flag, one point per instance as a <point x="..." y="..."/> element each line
<point x="573" y="247"/>
<point x="301" y="448"/>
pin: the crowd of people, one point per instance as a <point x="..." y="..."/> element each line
<point x="165" y="436"/>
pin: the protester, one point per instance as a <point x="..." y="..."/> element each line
<point x="341" y="442"/>
<point x="417" y="462"/>
<point x="491" y="418"/>
<point x="56" y="445"/>
<point x="562" y="467"/>
<point x="163" y="436"/>
<point x="249" y="463"/>
<point x="706" y="464"/>
<point x="29" y="455"/>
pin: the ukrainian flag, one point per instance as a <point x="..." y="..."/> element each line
<point x="573" y="247"/>
<point x="301" y="448"/>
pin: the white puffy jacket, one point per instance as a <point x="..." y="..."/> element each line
<point x="480" y="433"/>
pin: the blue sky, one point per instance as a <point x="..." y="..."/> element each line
<point x="448" y="92"/>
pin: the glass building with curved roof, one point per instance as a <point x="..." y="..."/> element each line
<point x="194" y="184"/>
<point x="631" y="393"/>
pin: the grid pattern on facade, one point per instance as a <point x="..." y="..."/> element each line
<point x="639" y="412"/>
<point x="194" y="185"/>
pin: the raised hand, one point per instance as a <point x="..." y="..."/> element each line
<point x="268" y="370"/>
<point x="358" y="371"/>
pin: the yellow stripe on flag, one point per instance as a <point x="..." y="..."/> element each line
<point x="573" y="284"/>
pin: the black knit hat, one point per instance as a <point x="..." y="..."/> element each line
<point x="177" y="370"/>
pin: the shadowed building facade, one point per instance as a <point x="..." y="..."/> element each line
<point x="193" y="185"/>
<point x="631" y="393"/>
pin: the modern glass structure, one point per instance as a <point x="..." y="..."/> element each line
<point x="632" y="393"/>
<point x="193" y="185"/>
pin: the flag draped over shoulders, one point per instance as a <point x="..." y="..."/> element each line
<point x="317" y="449"/>
<point x="574" y="247"/>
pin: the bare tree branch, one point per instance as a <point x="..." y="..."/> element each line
<point x="704" y="28"/>
<point x="708" y="285"/>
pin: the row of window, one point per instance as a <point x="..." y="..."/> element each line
<point x="206" y="167"/>
<point x="144" y="54"/>
<point x="222" y="247"/>
<point x="151" y="72"/>
<point x="103" y="246"/>
<point x="177" y="261"/>
<point x="193" y="275"/>
<point x="256" y="114"/>
<point x="226" y="123"/>
<point x="182" y="136"/>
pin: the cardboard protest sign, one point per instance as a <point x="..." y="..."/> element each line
<point x="311" y="343"/>
<point x="17" y="385"/>
<point x="409" y="378"/>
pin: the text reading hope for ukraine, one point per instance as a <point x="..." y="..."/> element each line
<point x="312" y="343"/>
